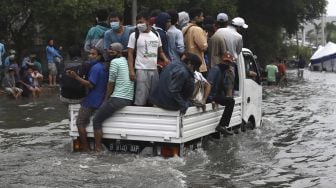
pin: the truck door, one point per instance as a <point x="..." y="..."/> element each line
<point x="252" y="92"/>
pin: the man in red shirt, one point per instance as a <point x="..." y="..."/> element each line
<point x="282" y="74"/>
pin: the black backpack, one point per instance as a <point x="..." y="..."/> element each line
<point x="137" y="34"/>
<point x="71" y="88"/>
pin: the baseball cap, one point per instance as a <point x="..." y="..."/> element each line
<point x="11" y="69"/>
<point x="227" y="57"/>
<point x="240" y="22"/>
<point x="222" y="17"/>
<point x="116" y="46"/>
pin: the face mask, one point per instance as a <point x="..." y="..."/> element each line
<point x="142" y="27"/>
<point x="115" y="25"/>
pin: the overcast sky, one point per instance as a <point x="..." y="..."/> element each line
<point x="331" y="8"/>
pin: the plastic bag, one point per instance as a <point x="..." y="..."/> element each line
<point x="198" y="94"/>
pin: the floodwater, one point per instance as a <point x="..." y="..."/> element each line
<point x="295" y="147"/>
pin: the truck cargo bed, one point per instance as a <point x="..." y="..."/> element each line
<point x="158" y="125"/>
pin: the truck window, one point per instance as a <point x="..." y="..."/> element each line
<point x="251" y="68"/>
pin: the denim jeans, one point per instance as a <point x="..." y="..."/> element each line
<point x="107" y="109"/>
<point x="228" y="102"/>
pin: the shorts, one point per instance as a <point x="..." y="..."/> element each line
<point x="146" y="81"/>
<point x="52" y="69"/>
<point x="10" y="90"/>
<point x="69" y="101"/>
<point x="84" y="116"/>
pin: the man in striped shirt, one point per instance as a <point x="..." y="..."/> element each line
<point x="120" y="89"/>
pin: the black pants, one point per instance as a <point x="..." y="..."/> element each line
<point x="228" y="102"/>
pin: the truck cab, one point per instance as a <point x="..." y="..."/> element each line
<point x="168" y="133"/>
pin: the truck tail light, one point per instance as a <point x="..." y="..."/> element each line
<point x="167" y="151"/>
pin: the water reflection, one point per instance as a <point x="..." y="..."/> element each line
<point x="295" y="147"/>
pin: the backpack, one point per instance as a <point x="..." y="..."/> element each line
<point x="70" y="87"/>
<point x="100" y="45"/>
<point x="137" y="34"/>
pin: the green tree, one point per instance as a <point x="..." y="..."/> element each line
<point x="266" y="18"/>
<point x="330" y="30"/>
<point x="29" y="23"/>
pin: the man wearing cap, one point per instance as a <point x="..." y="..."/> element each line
<point x="162" y="24"/>
<point x="221" y="79"/>
<point x="232" y="36"/>
<point x="9" y="84"/>
<point x="119" y="89"/>
<point x="217" y="45"/>
<point x="234" y="42"/>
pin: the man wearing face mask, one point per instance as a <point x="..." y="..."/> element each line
<point x="221" y="80"/>
<point x="195" y="38"/>
<point x="146" y="48"/>
<point x="96" y="84"/>
<point x="118" y="33"/>
<point x="119" y="90"/>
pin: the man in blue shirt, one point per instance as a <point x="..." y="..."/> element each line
<point x="175" y="38"/>
<point x="96" y="84"/>
<point x="176" y="84"/>
<point x="53" y="57"/>
<point x="222" y="82"/>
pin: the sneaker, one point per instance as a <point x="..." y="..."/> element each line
<point x="223" y="130"/>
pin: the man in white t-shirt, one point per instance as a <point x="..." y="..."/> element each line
<point x="234" y="42"/>
<point x="145" y="48"/>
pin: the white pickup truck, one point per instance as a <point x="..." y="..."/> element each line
<point x="168" y="133"/>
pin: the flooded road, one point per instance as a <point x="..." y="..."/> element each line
<point x="295" y="147"/>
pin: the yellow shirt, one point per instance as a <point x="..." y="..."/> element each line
<point x="195" y="40"/>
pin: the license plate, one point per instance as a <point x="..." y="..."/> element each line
<point x="131" y="148"/>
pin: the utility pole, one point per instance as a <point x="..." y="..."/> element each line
<point x="322" y="29"/>
<point x="134" y="11"/>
